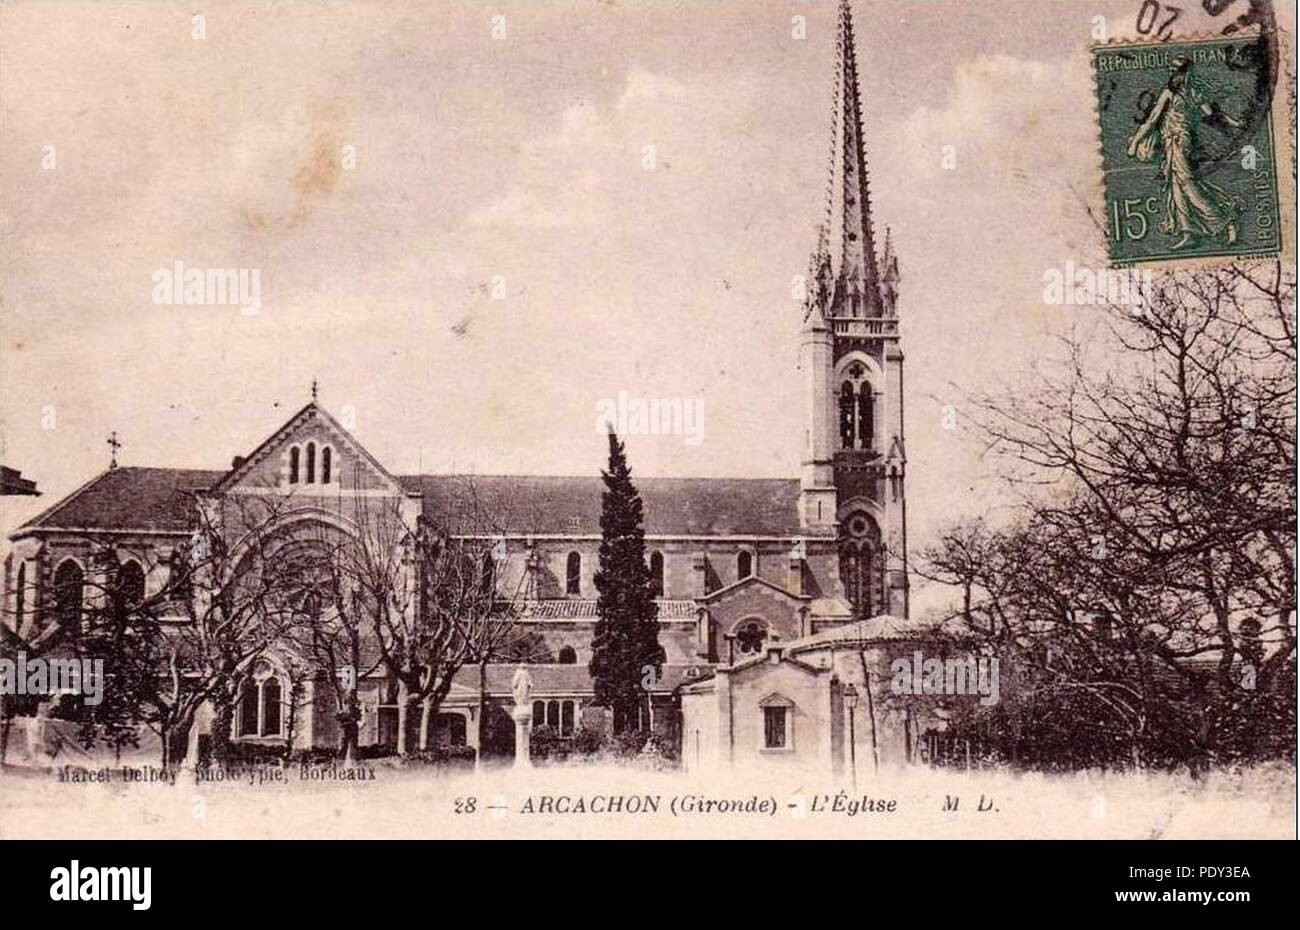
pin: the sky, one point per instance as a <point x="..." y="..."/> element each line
<point x="499" y="258"/>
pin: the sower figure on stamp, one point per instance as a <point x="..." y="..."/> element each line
<point x="1193" y="205"/>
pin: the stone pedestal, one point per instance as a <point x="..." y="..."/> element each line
<point x="523" y="717"/>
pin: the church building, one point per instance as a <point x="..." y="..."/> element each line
<point x="779" y="600"/>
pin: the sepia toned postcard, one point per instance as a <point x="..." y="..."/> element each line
<point x="647" y="419"/>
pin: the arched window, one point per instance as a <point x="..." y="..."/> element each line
<point x="573" y="574"/>
<point x="248" y="701"/>
<point x="744" y="565"/>
<point x="861" y="537"/>
<point x="271" y="707"/>
<point x="539" y="714"/>
<point x="851" y="574"/>
<point x="326" y="464"/>
<point x="866" y="416"/>
<point x="293" y="465"/>
<point x="20" y="598"/>
<point x="311" y="463"/>
<point x="69" y="584"/>
<point x="657" y="573"/>
<point x="568" y="656"/>
<point x="180" y="579"/>
<point x="261" y="709"/>
<point x="486" y="575"/>
<point x="846" y="415"/>
<point x="130" y="582"/>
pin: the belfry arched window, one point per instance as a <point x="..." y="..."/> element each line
<point x="866" y="416"/>
<point x="857" y="403"/>
<point x="744" y="565"/>
<point x="326" y="464"/>
<point x="311" y="463"/>
<point x="294" y="455"/>
<point x="847" y="403"/>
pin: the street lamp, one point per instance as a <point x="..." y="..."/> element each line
<point x="851" y="702"/>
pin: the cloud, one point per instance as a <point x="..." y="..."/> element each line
<point x="598" y="160"/>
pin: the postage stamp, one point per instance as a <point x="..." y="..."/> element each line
<point x="1188" y="149"/>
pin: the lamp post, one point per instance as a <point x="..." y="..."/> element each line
<point x="851" y="702"/>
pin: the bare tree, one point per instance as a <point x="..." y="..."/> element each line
<point x="433" y="595"/>
<point x="190" y="637"/>
<point x="1161" y="538"/>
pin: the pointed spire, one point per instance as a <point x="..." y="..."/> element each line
<point x="858" y="278"/>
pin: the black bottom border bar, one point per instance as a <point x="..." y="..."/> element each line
<point x="356" y="878"/>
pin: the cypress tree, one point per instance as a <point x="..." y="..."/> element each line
<point x="625" y="650"/>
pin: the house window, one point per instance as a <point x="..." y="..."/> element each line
<point x="293" y="465"/>
<point x="69" y="586"/>
<point x="568" y="656"/>
<point x="573" y="574"/>
<point x="774" y="727"/>
<point x="326" y="464"/>
<point x="744" y="565"/>
<point x="311" y="463"/>
<point x="657" y="573"/>
<point x="558" y="715"/>
<point x="260" y="704"/>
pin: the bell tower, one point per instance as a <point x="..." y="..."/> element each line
<point x="852" y="481"/>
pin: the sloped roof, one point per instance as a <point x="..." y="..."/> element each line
<point x="161" y="499"/>
<point x="884" y="628"/>
<point x="129" y="498"/>
<point x="569" y="505"/>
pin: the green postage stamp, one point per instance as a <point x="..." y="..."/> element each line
<point x="1187" y="142"/>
